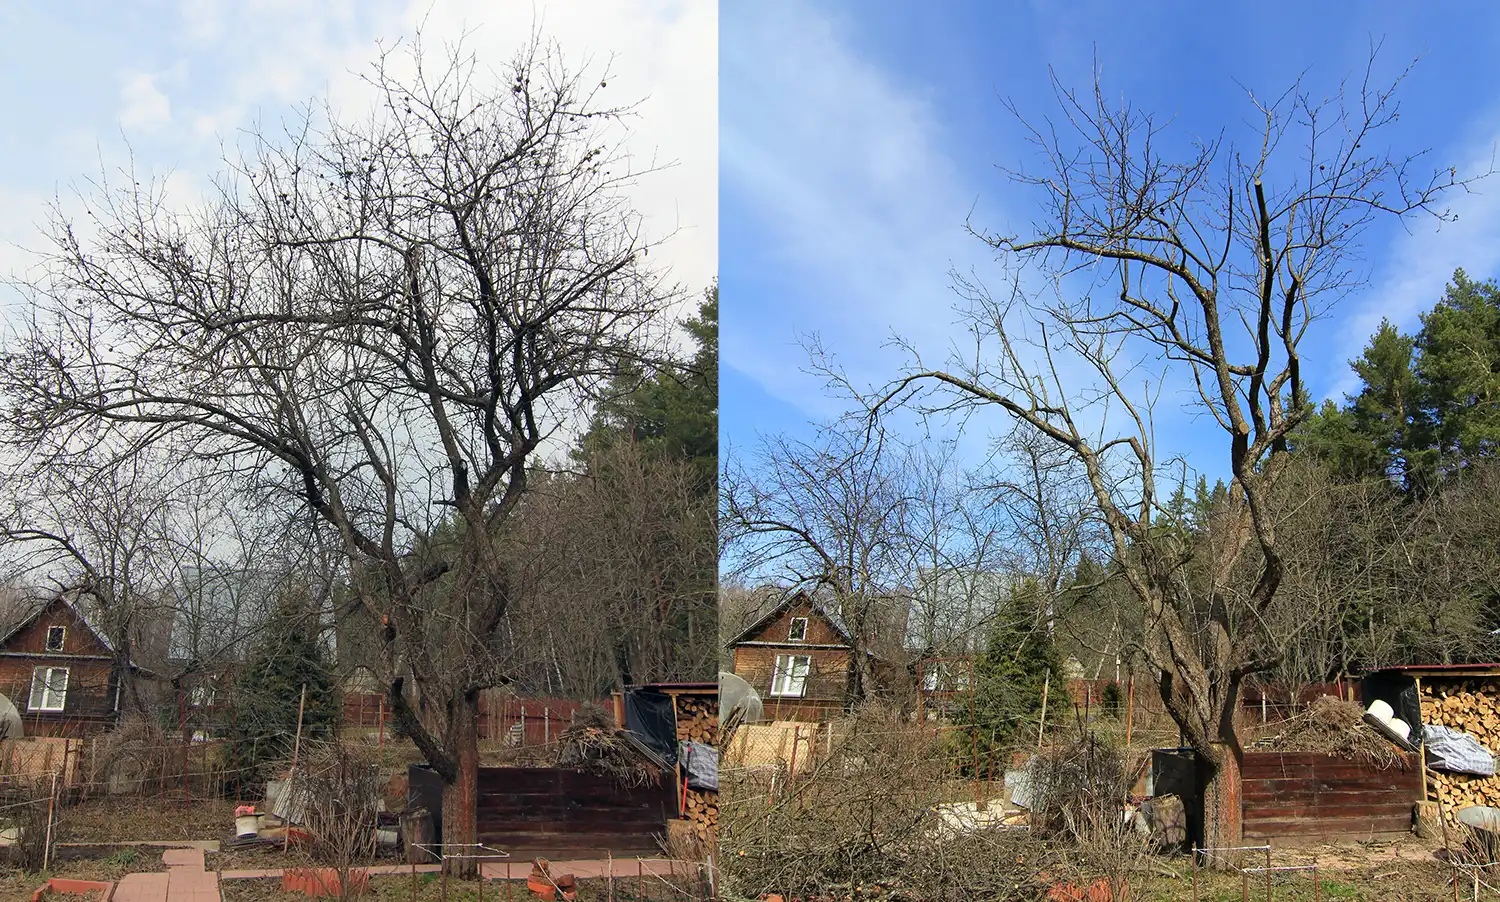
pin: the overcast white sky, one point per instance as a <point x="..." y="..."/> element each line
<point x="170" y="81"/>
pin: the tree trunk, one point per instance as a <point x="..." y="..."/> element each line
<point x="461" y="798"/>
<point x="1219" y="781"/>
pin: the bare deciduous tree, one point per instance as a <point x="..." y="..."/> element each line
<point x="828" y="516"/>
<point x="385" y="319"/>
<point x="1214" y="264"/>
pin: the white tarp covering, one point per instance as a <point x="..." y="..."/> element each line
<point x="1456" y="752"/>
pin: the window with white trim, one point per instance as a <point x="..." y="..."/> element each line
<point x="55" y="637"/>
<point x="798" y="632"/>
<point x="790" y="678"/>
<point x="49" y="689"/>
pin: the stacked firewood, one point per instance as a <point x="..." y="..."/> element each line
<point x="698" y="721"/>
<point x="1470" y="706"/>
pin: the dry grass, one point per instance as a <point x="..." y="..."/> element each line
<point x="169" y="819"/>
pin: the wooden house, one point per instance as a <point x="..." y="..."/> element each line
<point x="60" y="672"/>
<point x="798" y="656"/>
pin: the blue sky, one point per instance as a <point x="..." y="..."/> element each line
<point x="857" y="136"/>
<point x="90" y="84"/>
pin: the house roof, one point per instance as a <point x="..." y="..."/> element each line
<point x="77" y="612"/>
<point x="787" y="603"/>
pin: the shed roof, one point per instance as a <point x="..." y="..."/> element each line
<point x="1443" y="670"/>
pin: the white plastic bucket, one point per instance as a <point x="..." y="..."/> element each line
<point x="246" y="825"/>
<point x="1399" y="727"/>
<point x="1381" y="710"/>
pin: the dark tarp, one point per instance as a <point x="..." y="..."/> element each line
<point x="1400" y="692"/>
<point x="701" y="763"/>
<point x="650" y="717"/>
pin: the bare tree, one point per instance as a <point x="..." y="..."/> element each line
<point x="620" y="563"/>
<point x="827" y="515"/>
<point x="1204" y="264"/>
<point x="129" y="537"/>
<point x="384" y="319"/>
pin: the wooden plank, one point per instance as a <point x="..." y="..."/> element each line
<point x="1389" y="809"/>
<point x="1327" y="769"/>
<point x="1328" y="826"/>
<point x="1254" y="758"/>
<point x="1306" y="789"/>
<point x="1313" y="804"/>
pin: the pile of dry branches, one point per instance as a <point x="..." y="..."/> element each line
<point x="593" y="744"/>
<point x="861" y="823"/>
<point x="1333" y="726"/>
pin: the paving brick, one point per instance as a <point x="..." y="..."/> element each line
<point x="183" y="858"/>
<point x="141" y="888"/>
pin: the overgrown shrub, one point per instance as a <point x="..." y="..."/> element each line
<point x="862" y="821"/>
<point x="340" y="789"/>
<point x="24" y="804"/>
<point x="1079" y="790"/>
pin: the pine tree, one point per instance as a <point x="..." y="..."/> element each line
<point x="269" y="687"/>
<point x="1019" y="659"/>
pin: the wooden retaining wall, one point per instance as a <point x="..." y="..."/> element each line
<point x="1291" y="798"/>
<point x="558" y="812"/>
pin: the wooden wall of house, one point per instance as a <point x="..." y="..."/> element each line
<point x="78" y="640"/>
<point x="1296" y="798"/>
<point x="827" y="678"/>
<point x="88" y="706"/>
<point x="818" y="630"/>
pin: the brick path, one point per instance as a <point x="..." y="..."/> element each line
<point x="185" y="880"/>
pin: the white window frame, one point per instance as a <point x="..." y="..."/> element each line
<point x="789" y="679"/>
<point x="44" y="686"/>
<point x="62" y="638"/>
<point x="791" y="633"/>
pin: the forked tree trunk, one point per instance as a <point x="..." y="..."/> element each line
<point x="461" y="798"/>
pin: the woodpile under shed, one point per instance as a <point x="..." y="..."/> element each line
<point x="1473" y="706"/>
<point x="698" y="721"/>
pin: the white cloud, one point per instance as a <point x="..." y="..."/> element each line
<point x="143" y="106"/>
<point x="215" y="69"/>
<point x="844" y="169"/>
<point x="1418" y="263"/>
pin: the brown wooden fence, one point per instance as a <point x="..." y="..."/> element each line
<point x="527" y="721"/>
<point x="1301" y="797"/>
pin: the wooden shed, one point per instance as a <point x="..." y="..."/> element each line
<point x="558" y="812"/>
<point x="1463" y="697"/>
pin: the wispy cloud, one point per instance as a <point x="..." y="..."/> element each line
<point x="844" y="175"/>
<point x="1417" y="263"/>
<point x="143" y="106"/>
